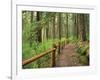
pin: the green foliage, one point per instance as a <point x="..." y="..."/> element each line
<point x="72" y="40"/>
<point x="63" y="39"/>
<point x="27" y="51"/>
<point x="87" y="36"/>
<point x="84" y="60"/>
<point x="82" y="50"/>
<point x="37" y="48"/>
<point x="45" y="45"/>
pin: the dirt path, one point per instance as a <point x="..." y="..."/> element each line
<point x="67" y="57"/>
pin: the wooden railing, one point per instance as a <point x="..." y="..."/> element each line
<point x="52" y="51"/>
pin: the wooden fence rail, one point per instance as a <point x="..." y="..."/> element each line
<point x="53" y="55"/>
<point x="41" y="55"/>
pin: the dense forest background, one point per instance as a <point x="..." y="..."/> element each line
<point x="41" y="29"/>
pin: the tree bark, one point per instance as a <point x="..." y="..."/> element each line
<point x="39" y="30"/>
<point x="82" y="27"/>
<point x="53" y="26"/>
<point x="31" y="30"/>
<point x="66" y="25"/>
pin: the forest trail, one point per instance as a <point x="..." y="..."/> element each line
<point x="67" y="57"/>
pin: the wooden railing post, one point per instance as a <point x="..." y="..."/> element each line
<point x="54" y="56"/>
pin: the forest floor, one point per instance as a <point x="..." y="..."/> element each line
<point x="68" y="56"/>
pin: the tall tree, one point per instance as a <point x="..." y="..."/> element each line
<point x="82" y="31"/>
<point x="66" y="25"/>
<point x="38" y="24"/>
<point x="87" y="25"/>
<point x="47" y="23"/>
<point x="59" y="25"/>
<point x="77" y="29"/>
<point x="31" y="28"/>
<point x="53" y="25"/>
<point x="75" y="26"/>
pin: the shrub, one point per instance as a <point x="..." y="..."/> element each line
<point x="82" y="50"/>
<point x="84" y="60"/>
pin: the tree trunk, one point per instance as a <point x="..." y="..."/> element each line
<point x="75" y="26"/>
<point x="82" y="27"/>
<point x="59" y="26"/>
<point x="77" y="29"/>
<point x="66" y="25"/>
<point x="53" y="26"/>
<point x="39" y="30"/>
<point x="31" y="30"/>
